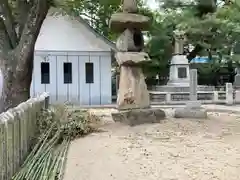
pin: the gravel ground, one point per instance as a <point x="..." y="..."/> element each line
<point x="175" y="149"/>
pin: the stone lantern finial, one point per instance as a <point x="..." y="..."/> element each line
<point x="130" y="6"/>
<point x="179" y="38"/>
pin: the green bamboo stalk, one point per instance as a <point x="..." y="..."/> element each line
<point x="55" y="169"/>
<point x="26" y="169"/>
<point x="37" y="164"/>
<point x="37" y="175"/>
<point x="44" y="148"/>
<point x="63" y="162"/>
<point x="23" y="175"/>
<point x="46" y="139"/>
<point x="53" y="164"/>
<point x="35" y="150"/>
<point x="20" y="173"/>
<point x="44" y="164"/>
<point x="42" y="139"/>
<point x="49" y="160"/>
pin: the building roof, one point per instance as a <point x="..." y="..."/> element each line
<point x="200" y="60"/>
<point x="98" y="34"/>
<point x="57" y="11"/>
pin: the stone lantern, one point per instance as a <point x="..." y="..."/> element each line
<point x="133" y="96"/>
<point x="179" y="67"/>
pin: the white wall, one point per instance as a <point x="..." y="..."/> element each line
<point x="79" y="92"/>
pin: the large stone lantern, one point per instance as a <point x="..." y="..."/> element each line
<point x="133" y="100"/>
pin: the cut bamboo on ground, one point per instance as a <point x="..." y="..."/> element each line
<point x="47" y="159"/>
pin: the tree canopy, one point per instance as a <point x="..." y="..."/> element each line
<point x="211" y="27"/>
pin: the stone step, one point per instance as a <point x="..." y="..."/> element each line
<point x="135" y="117"/>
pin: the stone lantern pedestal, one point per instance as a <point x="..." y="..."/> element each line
<point x="133" y="101"/>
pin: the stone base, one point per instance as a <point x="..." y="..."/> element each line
<point x="139" y="116"/>
<point x="193" y="113"/>
<point x="178" y="83"/>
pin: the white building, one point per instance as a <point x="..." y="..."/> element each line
<point x="72" y="62"/>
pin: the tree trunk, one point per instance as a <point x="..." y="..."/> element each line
<point x="16" y="83"/>
<point x="17" y="64"/>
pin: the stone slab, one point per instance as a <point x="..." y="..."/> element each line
<point x="120" y="21"/>
<point x="229" y="94"/>
<point x="237" y="96"/>
<point x="193" y="85"/>
<point x="135" y="117"/>
<point x="193" y="104"/>
<point x="193" y="113"/>
<point x="237" y="80"/>
<point x="130" y="58"/>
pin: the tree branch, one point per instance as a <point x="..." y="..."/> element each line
<point x="198" y="48"/>
<point x="31" y="30"/>
<point x="23" y="8"/>
<point x="5" y="44"/>
<point x="9" y="22"/>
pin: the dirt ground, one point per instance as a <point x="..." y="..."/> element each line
<point x="175" y="149"/>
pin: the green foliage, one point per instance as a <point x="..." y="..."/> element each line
<point x="217" y="31"/>
<point x="208" y="74"/>
<point x="97" y="13"/>
<point x="159" y="46"/>
<point x="211" y="26"/>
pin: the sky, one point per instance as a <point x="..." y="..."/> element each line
<point x="152" y="4"/>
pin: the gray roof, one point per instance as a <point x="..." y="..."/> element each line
<point x="87" y="25"/>
<point x="98" y="34"/>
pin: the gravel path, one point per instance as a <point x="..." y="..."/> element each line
<point x="176" y="149"/>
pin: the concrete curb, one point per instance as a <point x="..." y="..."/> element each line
<point x="223" y="111"/>
<point x="208" y="109"/>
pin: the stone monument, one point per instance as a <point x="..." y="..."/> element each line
<point x="237" y="85"/>
<point x="237" y="77"/>
<point x="133" y="101"/>
<point x="179" y="67"/>
<point x="193" y="108"/>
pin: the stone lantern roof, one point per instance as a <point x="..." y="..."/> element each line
<point x="129" y="18"/>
